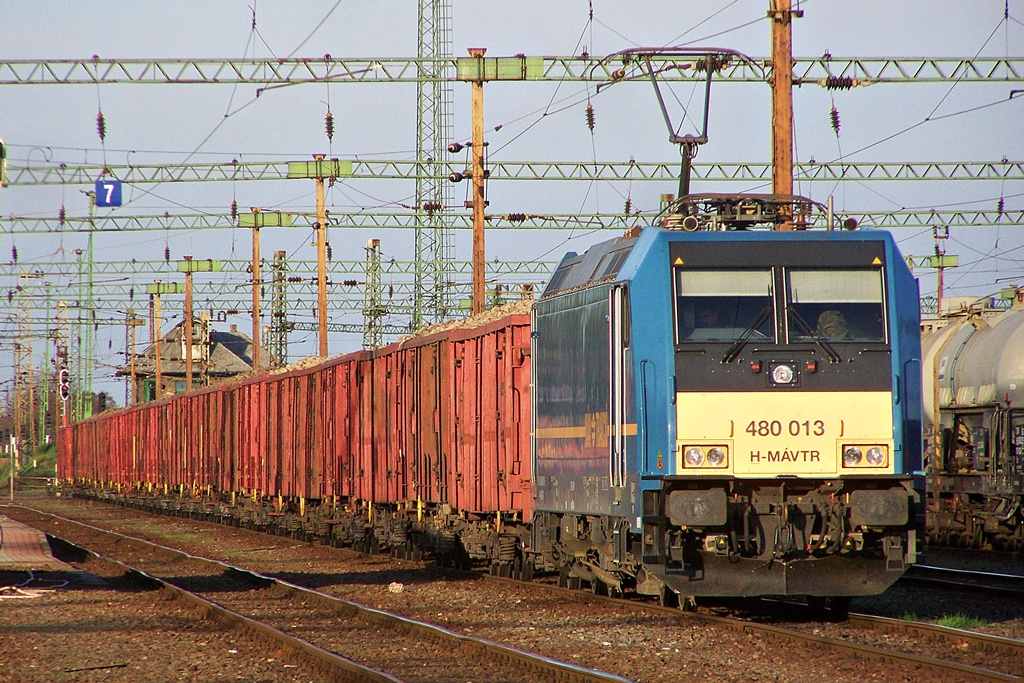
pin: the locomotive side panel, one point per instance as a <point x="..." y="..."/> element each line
<point x="572" y="406"/>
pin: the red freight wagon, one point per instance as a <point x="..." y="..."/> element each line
<point x="487" y="449"/>
<point x="426" y="441"/>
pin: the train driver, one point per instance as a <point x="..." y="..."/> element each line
<point x="832" y="325"/>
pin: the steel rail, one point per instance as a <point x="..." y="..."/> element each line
<point x="867" y="652"/>
<point x="334" y="666"/>
<point x="989" y="582"/>
<point x="540" y="664"/>
<point x="918" y="629"/>
<point x="766" y="631"/>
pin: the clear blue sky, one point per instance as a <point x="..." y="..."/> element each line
<point x="171" y="124"/>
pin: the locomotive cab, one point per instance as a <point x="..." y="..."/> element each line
<point x="730" y="414"/>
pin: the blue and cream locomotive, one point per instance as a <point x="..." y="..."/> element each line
<point x="729" y="412"/>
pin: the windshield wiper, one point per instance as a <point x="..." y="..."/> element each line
<point x="813" y="334"/>
<point x="738" y="345"/>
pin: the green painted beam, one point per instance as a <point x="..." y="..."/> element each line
<point x="267" y="72"/>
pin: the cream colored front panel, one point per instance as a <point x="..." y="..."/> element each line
<point x="784" y="433"/>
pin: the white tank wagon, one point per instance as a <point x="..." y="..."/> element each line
<point x="974" y="419"/>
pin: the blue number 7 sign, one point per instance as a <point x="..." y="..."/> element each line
<point x="108" y="193"/>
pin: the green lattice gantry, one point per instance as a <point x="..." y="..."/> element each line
<point x="263" y="72"/>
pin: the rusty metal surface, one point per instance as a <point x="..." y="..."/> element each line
<point x="440" y="419"/>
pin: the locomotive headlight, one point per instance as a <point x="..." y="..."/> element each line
<point x="783" y="374"/>
<point x="865" y="455"/>
<point x="716" y="456"/>
<point x="693" y="457"/>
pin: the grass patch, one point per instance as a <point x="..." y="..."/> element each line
<point x="909" y="616"/>
<point x="184" y="538"/>
<point x="42" y="464"/>
<point x="961" y="621"/>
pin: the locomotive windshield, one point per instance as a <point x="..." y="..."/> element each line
<point x="836" y="305"/>
<point x="722" y="305"/>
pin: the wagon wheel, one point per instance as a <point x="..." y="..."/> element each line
<point x="976" y="537"/>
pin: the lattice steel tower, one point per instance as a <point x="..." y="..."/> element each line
<point x="278" y="339"/>
<point x="434" y="249"/>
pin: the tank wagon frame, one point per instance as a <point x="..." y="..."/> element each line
<point x="974" y="419"/>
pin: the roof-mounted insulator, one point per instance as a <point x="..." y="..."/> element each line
<point x="839" y="83"/>
<point x="329" y="125"/>
<point x="234" y="210"/>
<point x="712" y="62"/>
<point x="101" y="126"/>
<point x="167" y="253"/>
<point x="590" y="117"/>
<point x="834" y="114"/>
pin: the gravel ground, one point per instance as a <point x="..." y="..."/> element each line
<point x="992" y="613"/>
<point x="111" y="630"/>
<point x="637" y="645"/>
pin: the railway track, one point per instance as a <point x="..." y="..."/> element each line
<point x="1011" y="585"/>
<point x="956" y="638"/>
<point x="339" y="636"/>
<point x="846" y="645"/>
<point x="327" y="666"/>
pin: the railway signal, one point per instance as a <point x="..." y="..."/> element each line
<point x="64" y="384"/>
